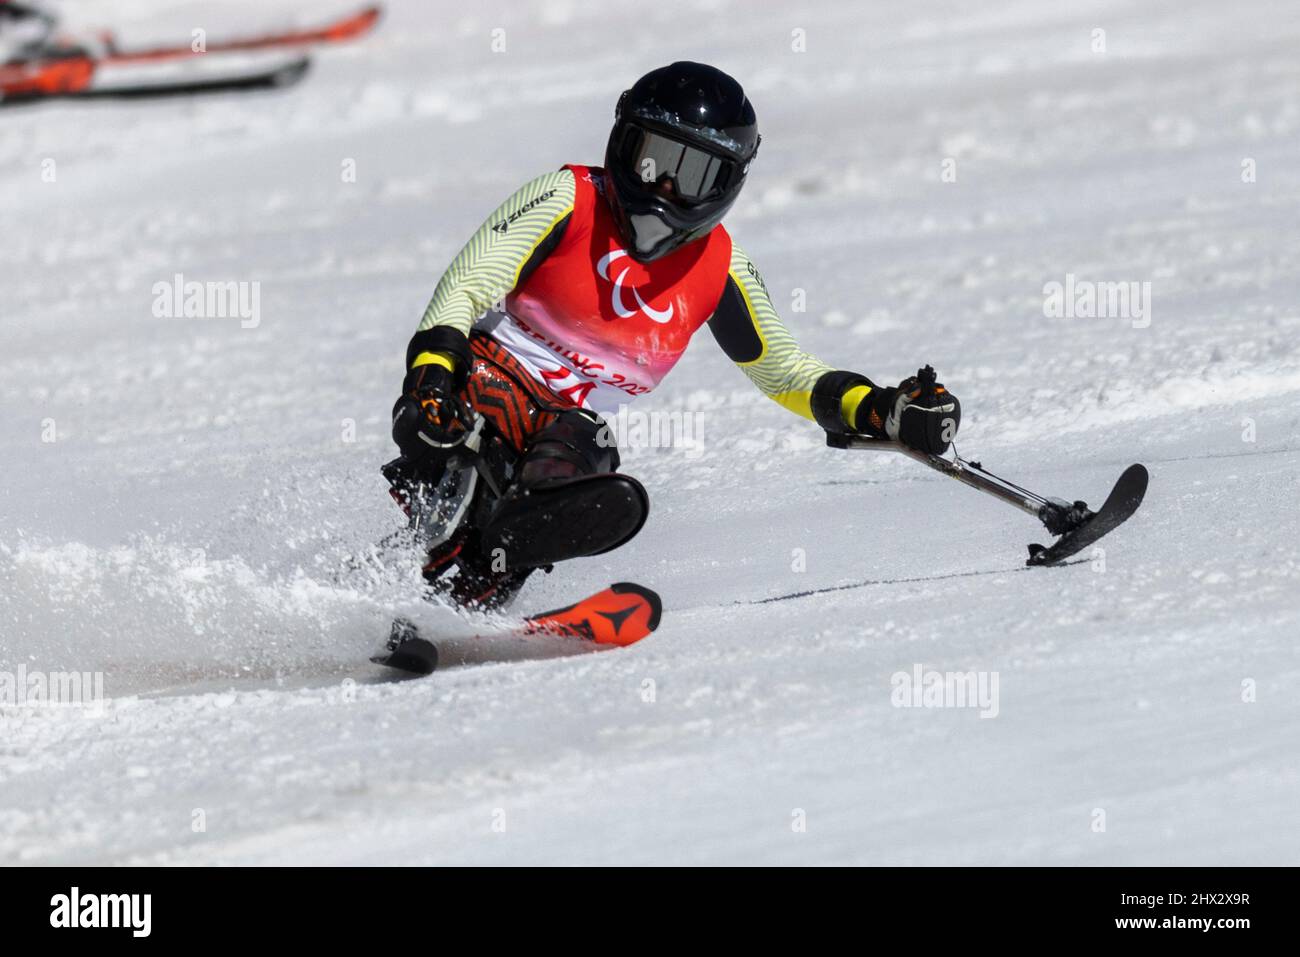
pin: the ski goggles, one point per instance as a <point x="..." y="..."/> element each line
<point x="695" y="175"/>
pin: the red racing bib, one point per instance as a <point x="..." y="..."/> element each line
<point x="595" y="326"/>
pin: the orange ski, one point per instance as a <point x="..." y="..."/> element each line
<point x="346" y="28"/>
<point x="620" y="615"/>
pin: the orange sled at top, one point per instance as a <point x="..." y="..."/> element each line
<point x="46" y="77"/>
<point x="71" y="70"/>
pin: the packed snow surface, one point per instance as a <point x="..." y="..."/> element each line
<point x="188" y="506"/>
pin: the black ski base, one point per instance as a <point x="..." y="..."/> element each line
<point x="407" y="651"/>
<point x="283" y="75"/>
<point x="569" y="519"/>
<point x="1086" y="527"/>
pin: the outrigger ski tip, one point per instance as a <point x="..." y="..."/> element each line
<point x="1076" y="525"/>
<point x="1080" y="526"/>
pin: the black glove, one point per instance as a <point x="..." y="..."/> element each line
<point x="919" y="412"/>
<point x="429" y="418"/>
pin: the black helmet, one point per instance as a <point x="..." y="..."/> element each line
<point x="681" y="145"/>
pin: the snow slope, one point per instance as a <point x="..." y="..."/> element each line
<point x="186" y="531"/>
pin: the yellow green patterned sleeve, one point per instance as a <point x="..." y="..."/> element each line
<point x="490" y="265"/>
<point x="752" y="335"/>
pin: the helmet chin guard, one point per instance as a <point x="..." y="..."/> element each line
<point x="646" y="232"/>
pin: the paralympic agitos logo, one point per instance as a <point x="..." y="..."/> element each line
<point x="621" y="308"/>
